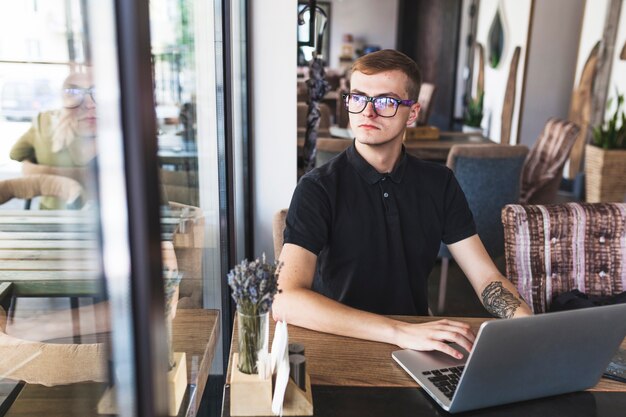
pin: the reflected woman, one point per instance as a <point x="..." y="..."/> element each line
<point x="65" y="138"/>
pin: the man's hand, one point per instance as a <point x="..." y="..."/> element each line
<point x="434" y="335"/>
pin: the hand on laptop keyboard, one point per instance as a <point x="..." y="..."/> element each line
<point x="434" y="335"/>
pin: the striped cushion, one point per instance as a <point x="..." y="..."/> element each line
<point x="557" y="248"/>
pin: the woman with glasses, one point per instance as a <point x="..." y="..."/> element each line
<point x="63" y="138"/>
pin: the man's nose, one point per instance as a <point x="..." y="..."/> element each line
<point x="369" y="110"/>
<point x="88" y="101"/>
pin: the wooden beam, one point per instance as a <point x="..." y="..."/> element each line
<point x="605" y="62"/>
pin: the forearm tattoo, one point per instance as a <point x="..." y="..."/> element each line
<point x="499" y="301"/>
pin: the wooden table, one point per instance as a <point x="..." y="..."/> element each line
<point x="361" y="376"/>
<point x="431" y="150"/>
<point x="195" y="331"/>
<point x="437" y="150"/>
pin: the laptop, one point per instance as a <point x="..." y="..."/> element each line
<point x="521" y="359"/>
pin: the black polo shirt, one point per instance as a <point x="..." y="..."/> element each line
<point x="377" y="235"/>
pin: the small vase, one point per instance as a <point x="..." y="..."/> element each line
<point x="253" y="334"/>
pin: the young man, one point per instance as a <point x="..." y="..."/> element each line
<point x="364" y="230"/>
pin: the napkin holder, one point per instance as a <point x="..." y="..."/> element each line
<point x="252" y="396"/>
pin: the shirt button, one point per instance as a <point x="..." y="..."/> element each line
<point x="602" y="239"/>
<point x="602" y="274"/>
<point x="384" y="178"/>
<point x="386" y="195"/>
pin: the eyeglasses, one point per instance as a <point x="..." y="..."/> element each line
<point x="383" y="106"/>
<point x="74" y="96"/>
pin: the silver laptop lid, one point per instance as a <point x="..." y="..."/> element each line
<point x="532" y="357"/>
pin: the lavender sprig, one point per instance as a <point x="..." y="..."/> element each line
<point x="254" y="285"/>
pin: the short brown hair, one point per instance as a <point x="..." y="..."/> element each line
<point x="389" y="60"/>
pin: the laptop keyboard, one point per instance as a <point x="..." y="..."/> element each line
<point x="445" y="379"/>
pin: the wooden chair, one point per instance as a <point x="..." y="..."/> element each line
<point x="543" y="168"/>
<point x="328" y="148"/>
<point x="558" y="248"/>
<point x="278" y="227"/>
<point x="489" y="175"/>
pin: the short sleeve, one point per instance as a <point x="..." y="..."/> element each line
<point x="308" y="219"/>
<point x="23" y="149"/>
<point x="458" y="218"/>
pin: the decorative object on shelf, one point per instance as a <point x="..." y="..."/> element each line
<point x="318" y="86"/>
<point x="605" y="158"/>
<point x="254" y="285"/>
<point x="495" y="39"/>
<point x="473" y="115"/>
<point x="508" y="106"/>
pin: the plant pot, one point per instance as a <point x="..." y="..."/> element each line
<point x="605" y="174"/>
<point x="472" y="129"/>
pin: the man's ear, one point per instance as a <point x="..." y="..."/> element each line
<point x="413" y="113"/>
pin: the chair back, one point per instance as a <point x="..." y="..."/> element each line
<point x="328" y="148"/>
<point x="543" y="169"/>
<point x="43" y="185"/>
<point x="425" y="99"/>
<point x="323" y="128"/>
<point x="278" y="228"/>
<point x="489" y="175"/>
<point x="558" y="248"/>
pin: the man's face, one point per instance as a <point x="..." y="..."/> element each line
<point x="85" y="112"/>
<point x="370" y="128"/>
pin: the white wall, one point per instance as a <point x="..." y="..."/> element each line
<point x="618" y="71"/>
<point x="372" y="22"/>
<point x="515" y="19"/>
<point x="552" y="58"/>
<point x="592" y="29"/>
<point x="273" y="100"/>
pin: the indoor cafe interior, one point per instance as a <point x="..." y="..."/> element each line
<point x="149" y="154"/>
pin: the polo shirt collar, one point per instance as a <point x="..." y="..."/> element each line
<point x="369" y="173"/>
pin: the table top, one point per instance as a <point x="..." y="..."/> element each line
<point x="195" y="331"/>
<point x="357" y="377"/>
<point x="339" y="360"/>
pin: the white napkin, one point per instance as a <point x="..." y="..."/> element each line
<point x="280" y="364"/>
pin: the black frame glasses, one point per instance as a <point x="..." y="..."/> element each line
<point x="75" y="96"/>
<point x="378" y="103"/>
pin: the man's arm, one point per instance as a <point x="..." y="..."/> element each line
<point x="498" y="294"/>
<point x="298" y="304"/>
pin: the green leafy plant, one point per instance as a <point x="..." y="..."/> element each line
<point x="612" y="133"/>
<point x="473" y="115"/>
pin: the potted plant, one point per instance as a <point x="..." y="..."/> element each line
<point x="605" y="158"/>
<point x="254" y="285"/>
<point x="473" y="116"/>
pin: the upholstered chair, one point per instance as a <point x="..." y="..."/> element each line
<point x="489" y="175"/>
<point x="558" y="248"/>
<point x="543" y="168"/>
